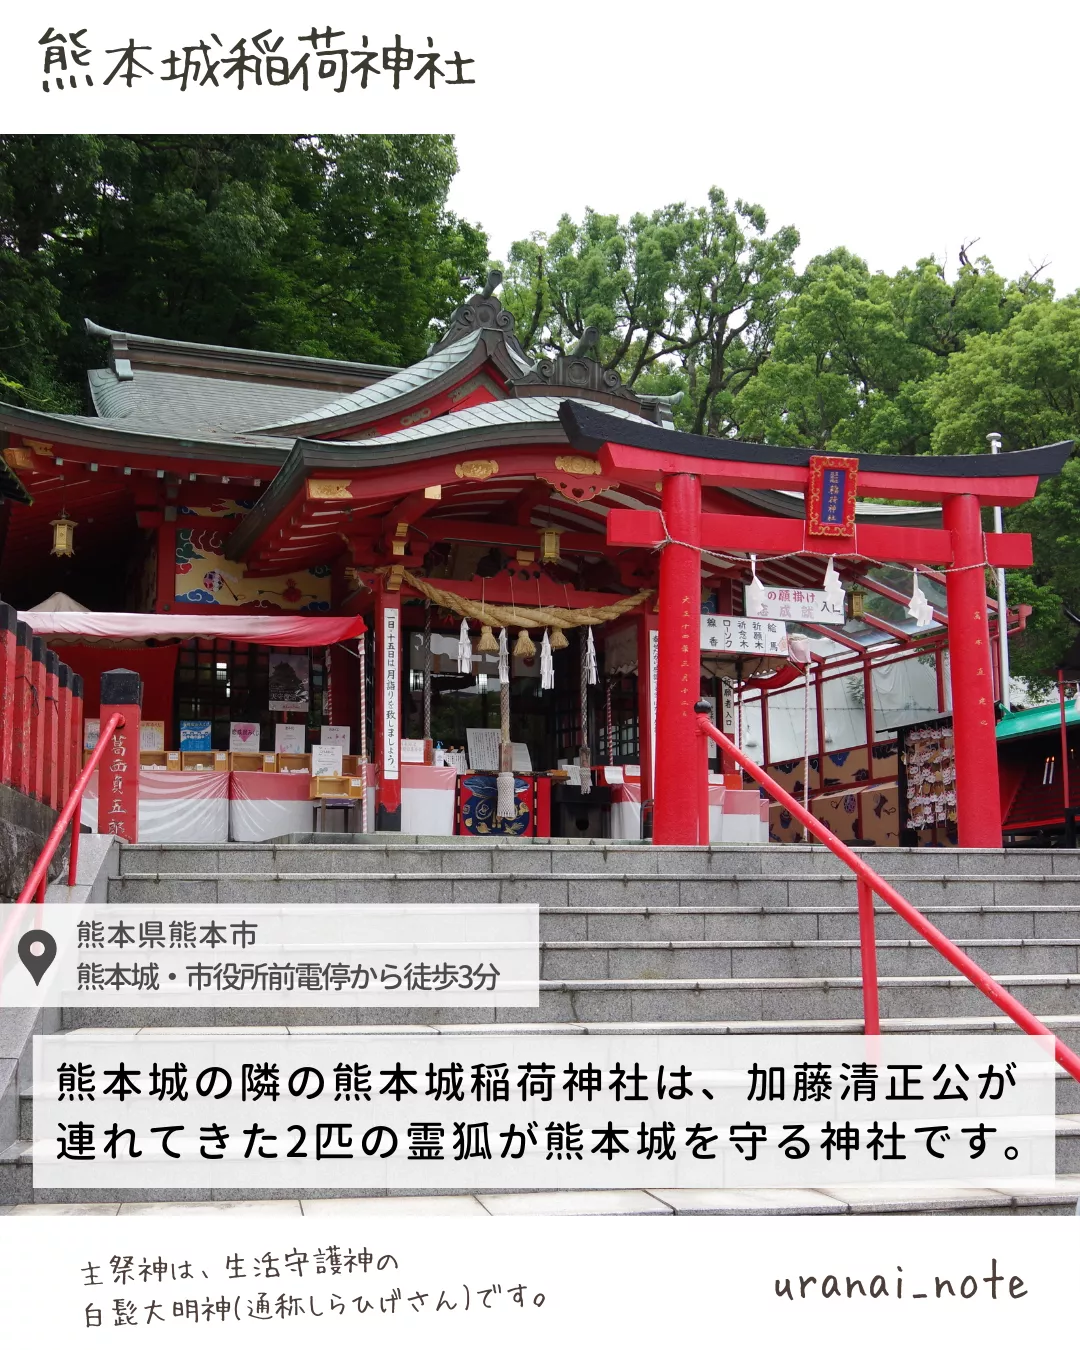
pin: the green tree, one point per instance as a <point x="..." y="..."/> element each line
<point x="337" y="246"/>
<point x="1024" y="381"/>
<point x="855" y="351"/>
<point x="685" y="299"/>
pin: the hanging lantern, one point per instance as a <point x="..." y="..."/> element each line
<point x="858" y="602"/>
<point x="63" y="534"/>
<point x="549" y="546"/>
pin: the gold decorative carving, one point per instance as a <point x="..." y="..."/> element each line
<point x="582" y="464"/>
<point x="417" y="415"/>
<point x="325" y="488"/>
<point x="38" y="447"/>
<point x="476" y="468"/>
<point x="574" y="490"/>
<point x="17" y="458"/>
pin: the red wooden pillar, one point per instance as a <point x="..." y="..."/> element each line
<point x="118" y="774"/>
<point x="20" y="717"/>
<point x="37" y="719"/>
<point x="9" y="661"/>
<point x="978" y="810"/>
<point x="387" y="679"/>
<point x="678" y="745"/>
<point x="63" y="758"/>
<point x="51" y="717"/>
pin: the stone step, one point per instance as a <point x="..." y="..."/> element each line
<point x="605" y="959"/>
<point x="16" y="1185"/>
<point x="408" y="854"/>
<point x="573" y="888"/>
<point x="754" y="923"/>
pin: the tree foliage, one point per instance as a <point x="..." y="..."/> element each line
<point x="685" y="299"/>
<point x="335" y="246"/>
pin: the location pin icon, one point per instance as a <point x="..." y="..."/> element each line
<point x="37" y="964"/>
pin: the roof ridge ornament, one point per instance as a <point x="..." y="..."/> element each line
<point x="481" y="311"/>
<point x="578" y="369"/>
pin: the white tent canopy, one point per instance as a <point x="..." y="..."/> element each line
<point x="58" y="603"/>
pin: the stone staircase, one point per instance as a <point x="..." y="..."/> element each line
<point x="642" y="939"/>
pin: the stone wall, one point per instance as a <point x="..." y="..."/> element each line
<point x="24" y="827"/>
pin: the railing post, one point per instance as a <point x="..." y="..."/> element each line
<point x="20" y="714"/>
<point x="37" y="719"/>
<point x="868" y="950"/>
<point x="76" y="729"/>
<point x="51" y="713"/>
<point x="118" y="775"/>
<point x="9" y="661"/>
<point x="65" y="778"/>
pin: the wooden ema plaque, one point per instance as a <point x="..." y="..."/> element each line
<point x="830" y="496"/>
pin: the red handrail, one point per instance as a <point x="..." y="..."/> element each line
<point x="869" y="884"/>
<point x="71" y="814"/>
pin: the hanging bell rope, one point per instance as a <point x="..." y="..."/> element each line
<point x="555" y="617"/>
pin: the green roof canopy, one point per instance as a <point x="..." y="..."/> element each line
<point x="1037" y="721"/>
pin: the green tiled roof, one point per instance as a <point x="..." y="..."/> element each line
<point x="1034" y="721"/>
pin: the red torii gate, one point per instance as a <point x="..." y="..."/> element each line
<point x="643" y="453"/>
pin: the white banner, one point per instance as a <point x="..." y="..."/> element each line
<point x="391" y="664"/>
<point x="800" y="606"/>
<point x="731" y="633"/>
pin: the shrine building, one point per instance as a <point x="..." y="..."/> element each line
<point x="483" y="593"/>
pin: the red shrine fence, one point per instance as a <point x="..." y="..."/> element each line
<point x="41" y="715"/>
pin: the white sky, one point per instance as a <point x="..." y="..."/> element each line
<point x="898" y="128"/>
